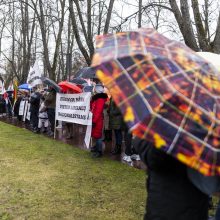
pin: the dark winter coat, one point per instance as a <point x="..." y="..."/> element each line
<point x="17" y="106"/>
<point x="50" y="99"/>
<point x="115" y="117"/>
<point x="2" y="105"/>
<point x="35" y="102"/>
<point x="171" y="195"/>
<point x="97" y="107"/>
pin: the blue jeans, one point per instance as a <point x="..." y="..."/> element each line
<point x="98" y="145"/>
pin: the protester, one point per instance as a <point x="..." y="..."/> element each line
<point x="107" y="130"/>
<point x="8" y="96"/>
<point x="17" y="106"/>
<point x="117" y="124"/>
<point x="43" y="122"/>
<point x="97" y="107"/>
<point x="50" y="104"/>
<point x="34" y="110"/>
<point x="2" y="105"/>
<point x="171" y="195"/>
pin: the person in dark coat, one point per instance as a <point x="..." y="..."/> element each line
<point x="2" y="105"/>
<point x="171" y="195"/>
<point x="97" y="108"/>
<point x="50" y="104"/>
<point x="17" y="106"/>
<point x="116" y="123"/>
<point x="34" y="110"/>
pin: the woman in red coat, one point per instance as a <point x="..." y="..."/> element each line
<point x="97" y="107"/>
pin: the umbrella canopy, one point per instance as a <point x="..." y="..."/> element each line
<point x="69" y="87"/>
<point x="168" y="94"/>
<point x="86" y="72"/>
<point x="25" y="86"/>
<point x="212" y="58"/>
<point x="50" y="83"/>
<point x="78" y="81"/>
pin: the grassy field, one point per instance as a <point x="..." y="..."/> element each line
<point x="44" y="179"/>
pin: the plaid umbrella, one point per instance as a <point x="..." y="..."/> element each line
<point x="50" y="83"/>
<point x="167" y="93"/>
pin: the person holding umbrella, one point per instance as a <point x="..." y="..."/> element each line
<point x="171" y="194"/>
<point x="50" y="101"/>
<point x="50" y="104"/>
<point x="34" y="109"/>
<point x="169" y="98"/>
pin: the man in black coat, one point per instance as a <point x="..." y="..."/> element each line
<point x="34" y="110"/>
<point x="171" y="195"/>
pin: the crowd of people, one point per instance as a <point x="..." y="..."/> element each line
<point x="107" y="120"/>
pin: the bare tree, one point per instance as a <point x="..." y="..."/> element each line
<point x="77" y="15"/>
<point x="198" y="36"/>
<point x="40" y="14"/>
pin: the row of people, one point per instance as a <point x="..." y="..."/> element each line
<point x="107" y="120"/>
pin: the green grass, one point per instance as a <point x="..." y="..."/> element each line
<point x="44" y="179"/>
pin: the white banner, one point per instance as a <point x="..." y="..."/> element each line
<point x="34" y="76"/>
<point x="88" y="131"/>
<point x="73" y="108"/>
<point x="21" y="107"/>
<point x="25" y="110"/>
<point x="28" y="115"/>
<point x="2" y="89"/>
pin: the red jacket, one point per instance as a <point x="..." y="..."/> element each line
<point x="97" y="107"/>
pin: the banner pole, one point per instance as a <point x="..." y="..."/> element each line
<point x="55" y="128"/>
<point x="54" y="135"/>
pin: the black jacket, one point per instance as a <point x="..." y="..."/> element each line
<point x="35" y="102"/>
<point x="171" y="196"/>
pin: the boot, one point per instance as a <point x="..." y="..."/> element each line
<point x="97" y="154"/>
<point x="116" y="150"/>
<point x="93" y="149"/>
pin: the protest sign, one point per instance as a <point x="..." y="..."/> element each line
<point x="2" y="88"/>
<point x="88" y="130"/>
<point x="21" y="107"/>
<point x="28" y="115"/>
<point x="73" y="108"/>
<point x="25" y="110"/>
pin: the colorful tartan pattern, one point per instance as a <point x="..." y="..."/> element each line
<point x="167" y="93"/>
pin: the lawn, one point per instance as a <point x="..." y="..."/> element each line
<point x="46" y="179"/>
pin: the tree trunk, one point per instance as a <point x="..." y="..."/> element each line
<point x="184" y="22"/>
<point x="108" y="18"/>
<point x="76" y="33"/>
<point x="140" y="13"/>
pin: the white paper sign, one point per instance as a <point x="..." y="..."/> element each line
<point x="73" y="108"/>
<point x="28" y="115"/>
<point x="2" y="89"/>
<point x="25" y="110"/>
<point x="88" y="130"/>
<point x="34" y="76"/>
<point x="21" y="107"/>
